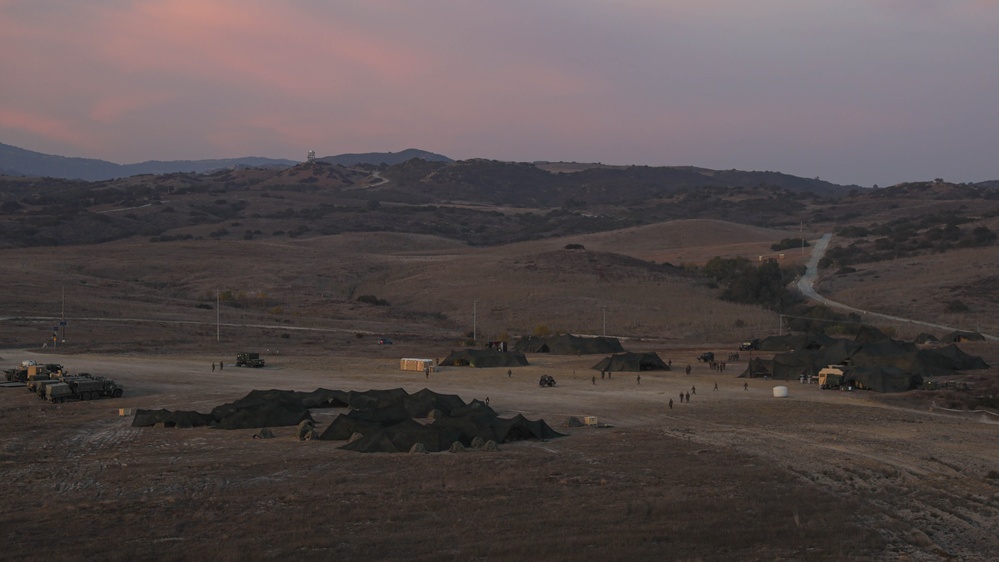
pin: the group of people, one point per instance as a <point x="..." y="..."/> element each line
<point x="221" y="366"/>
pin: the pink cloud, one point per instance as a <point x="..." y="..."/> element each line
<point x="42" y="126"/>
<point x="272" y="45"/>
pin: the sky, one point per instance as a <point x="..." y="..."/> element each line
<point x="866" y="92"/>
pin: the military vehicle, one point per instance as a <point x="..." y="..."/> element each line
<point x="42" y="385"/>
<point x="249" y="360"/>
<point x="30" y="369"/>
<point x="83" y="387"/>
<point x="706" y="357"/>
<point x="546" y="380"/>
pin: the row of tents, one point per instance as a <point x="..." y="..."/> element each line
<point x="871" y="360"/>
<point x="561" y="344"/>
<point x="385" y="419"/>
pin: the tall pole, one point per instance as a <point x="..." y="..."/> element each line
<point x="218" y="319"/>
<point x="474" y="320"/>
<point x="62" y="321"/>
<point x="605" y="320"/>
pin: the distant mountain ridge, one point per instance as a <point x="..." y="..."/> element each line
<point x="390" y="158"/>
<point x="16" y="161"/>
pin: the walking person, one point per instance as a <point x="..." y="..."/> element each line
<point x="639" y="379"/>
<point x="681" y="397"/>
<point x="688" y="369"/>
<point x="745" y="386"/>
<point x="670" y="403"/>
<point x="594" y="380"/>
<point x="716" y="386"/>
<point x="213" y="366"/>
<point x="688" y="398"/>
<point x="693" y="390"/>
<point x="221" y="365"/>
<point x="509" y="373"/>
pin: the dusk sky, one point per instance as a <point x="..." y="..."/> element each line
<point x="852" y="91"/>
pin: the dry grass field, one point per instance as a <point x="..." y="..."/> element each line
<point x="735" y="475"/>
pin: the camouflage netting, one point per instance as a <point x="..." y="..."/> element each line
<point x="378" y="420"/>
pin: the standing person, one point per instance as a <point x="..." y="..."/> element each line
<point x="688" y="369"/>
<point x="221" y="365"/>
<point x="639" y="379"/>
<point x="681" y="397"/>
<point x="594" y="380"/>
<point x="745" y="386"/>
<point x="509" y="373"/>
<point x="688" y="398"/>
<point x="608" y="374"/>
<point x="670" y="403"/>
<point x="426" y="372"/>
<point x="213" y="366"/>
<point x="716" y="386"/>
<point x="693" y="390"/>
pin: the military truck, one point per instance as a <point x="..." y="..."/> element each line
<point x="249" y="360"/>
<point x="82" y="388"/>
<point x="546" y="381"/>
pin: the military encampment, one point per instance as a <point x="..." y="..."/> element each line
<point x="872" y="360"/>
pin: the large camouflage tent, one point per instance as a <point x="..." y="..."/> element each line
<point x="881" y="379"/>
<point x="757" y="368"/>
<point x="632" y="362"/>
<point x="484" y="358"/>
<point x="568" y="344"/>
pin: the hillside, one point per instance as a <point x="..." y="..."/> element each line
<point x="16" y="161"/>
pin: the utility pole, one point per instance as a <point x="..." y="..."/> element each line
<point x="475" y="304"/>
<point x="218" y="318"/>
<point x="605" y="320"/>
<point x="62" y="321"/>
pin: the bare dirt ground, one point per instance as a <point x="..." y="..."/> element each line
<point x="734" y="474"/>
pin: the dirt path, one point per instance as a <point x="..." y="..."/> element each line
<point x="806" y="286"/>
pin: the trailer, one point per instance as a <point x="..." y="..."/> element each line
<point x="416" y="364"/>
